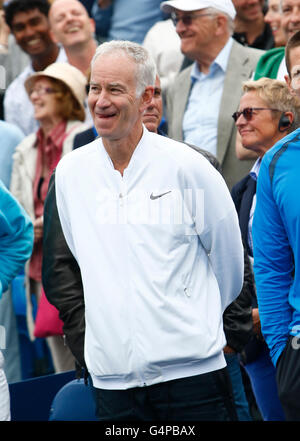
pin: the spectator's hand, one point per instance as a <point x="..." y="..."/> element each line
<point x="38" y="228"/>
<point x="104" y="3"/>
<point x="228" y="350"/>
<point x="256" y="322"/>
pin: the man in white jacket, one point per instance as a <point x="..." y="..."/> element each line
<point x="155" y="235"/>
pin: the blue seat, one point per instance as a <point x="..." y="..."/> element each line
<point x="73" y="402"/>
<point x="31" y="399"/>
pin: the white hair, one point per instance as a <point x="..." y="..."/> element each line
<point x="145" y="65"/>
<point x="230" y="22"/>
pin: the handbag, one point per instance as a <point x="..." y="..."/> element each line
<point x="47" y="321"/>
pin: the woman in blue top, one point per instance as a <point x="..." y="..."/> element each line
<point x="267" y="112"/>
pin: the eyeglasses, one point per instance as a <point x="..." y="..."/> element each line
<point x="42" y="91"/>
<point x="248" y="112"/>
<point x="186" y="19"/>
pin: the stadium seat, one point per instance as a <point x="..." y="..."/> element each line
<point x="73" y="402"/>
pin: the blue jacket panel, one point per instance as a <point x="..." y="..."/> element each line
<point x="276" y="238"/>
<point x="16" y="237"/>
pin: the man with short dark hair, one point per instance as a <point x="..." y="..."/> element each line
<point x="250" y="28"/>
<point x="28" y="21"/>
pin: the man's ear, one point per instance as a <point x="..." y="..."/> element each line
<point x="289" y="85"/>
<point x="93" y="25"/>
<point x="147" y="97"/>
<point x="287" y="80"/>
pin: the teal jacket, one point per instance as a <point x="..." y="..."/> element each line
<point x="269" y="63"/>
<point x="16" y="237"/>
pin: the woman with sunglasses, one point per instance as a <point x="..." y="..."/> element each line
<point x="57" y="94"/>
<point x="266" y="114"/>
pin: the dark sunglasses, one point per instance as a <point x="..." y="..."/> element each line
<point x="248" y="112"/>
<point x="186" y="19"/>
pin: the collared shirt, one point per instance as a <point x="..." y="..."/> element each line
<point x="200" y="120"/>
<point x="254" y="175"/>
<point x="49" y="152"/>
<point x="18" y="109"/>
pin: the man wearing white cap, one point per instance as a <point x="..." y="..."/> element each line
<point x="204" y="95"/>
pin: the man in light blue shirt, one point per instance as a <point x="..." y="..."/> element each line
<point x="203" y="96"/>
<point x="200" y="122"/>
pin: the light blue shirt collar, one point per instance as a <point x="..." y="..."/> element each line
<point x="255" y="169"/>
<point x="220" y="61"/>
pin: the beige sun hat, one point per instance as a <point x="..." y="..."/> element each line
<point x="72" y="78"/>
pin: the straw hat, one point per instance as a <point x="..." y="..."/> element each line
<point x="72" y="78"/>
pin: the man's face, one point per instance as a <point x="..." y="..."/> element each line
<point x="198" y="34"/>
<point x="70" y="22"/>
<point x="248" y="10"/>
<point x="290" y="18"/>
<point x="116" y="110"/>
<point x="32" y="31"/>
<point x="293" y="81"/>
<point x="153" y="113"/>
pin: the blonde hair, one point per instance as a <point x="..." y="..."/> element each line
<point x="276" y="95"/>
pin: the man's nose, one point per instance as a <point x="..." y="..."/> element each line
<point x="295" y="16"/>
<point x="103" y="99"/>
<point x="29" y="31"/>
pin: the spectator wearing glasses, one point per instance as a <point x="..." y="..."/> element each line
<point x="205" y="94"/>
<point x="267" y="113"/>
<point x="57" y="95"/>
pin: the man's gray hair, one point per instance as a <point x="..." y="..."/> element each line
<point x="230" y="22"/>
<point x="146" y="68"/>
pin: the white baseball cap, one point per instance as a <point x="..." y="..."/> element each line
<point x="193" y="5"/>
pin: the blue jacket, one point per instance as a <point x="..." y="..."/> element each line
<point x="16" y="237"/>
<point x="276" y="239"/>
